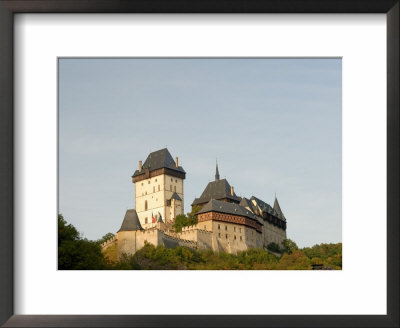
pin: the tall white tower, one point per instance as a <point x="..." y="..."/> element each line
<point x="158" y="188"/>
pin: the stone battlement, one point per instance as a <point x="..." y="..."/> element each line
<point x="109" y="242"/>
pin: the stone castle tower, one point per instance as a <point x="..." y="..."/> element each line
<point x="158" y="188"/>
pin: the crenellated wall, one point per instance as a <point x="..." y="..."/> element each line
<point x="109" y="242"/>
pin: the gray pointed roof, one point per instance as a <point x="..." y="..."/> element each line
<point x="227" y="208"/>
<point x="277" y="208"/>
<point x="264" y="207"/>
<point x="216" y="172"/>
<point x="175" y="196"/>
<point x="247" y="203"/>
<point x="131" y="221"/>
<point x="159" y="159"/>
<point x="218" y="189"/>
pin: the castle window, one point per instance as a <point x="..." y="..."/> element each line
<point x="142" y="183"/>
<point x="175" y="188"/>
<point x="145" y="206"/>
<point x="158" y="187"/>
<point x="156" y="180"/>
<point x="172" y="180"/>
<point x="219" y="234"/>
<point x="234" y="237"/>
<point x="226" y="236"/>
<point x="226" y="227"/>
<point x="154" y="189"/>
<point x="234" y="230"/>
<point x="219" y="227"/>
<point x="240" y="237"/>
<point x="240" y="229"/>
<point x="145" y="220"/>
<point x="148" y="182"/>
<point x="176" y="181"/>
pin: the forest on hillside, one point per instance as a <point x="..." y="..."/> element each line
<point x="77" y="253"/>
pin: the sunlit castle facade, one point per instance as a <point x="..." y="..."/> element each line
<point x="158" y="188"/>
<point x="226" y="222"/>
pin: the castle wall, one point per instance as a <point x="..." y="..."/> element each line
<point x="152" y="236"/>
<point x="230" y="238"/>
<point x="273" y="234"/>
<point x="126" y="243"/>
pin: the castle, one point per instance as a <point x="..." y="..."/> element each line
<point x="226" y="222"/>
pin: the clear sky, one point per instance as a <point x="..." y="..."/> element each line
<point x="273" y="124"/>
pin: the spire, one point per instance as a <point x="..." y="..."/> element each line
<point x="216" y="172"/>
<point x="277" y="208"/>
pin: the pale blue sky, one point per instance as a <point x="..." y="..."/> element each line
<point x="273" y="124"/>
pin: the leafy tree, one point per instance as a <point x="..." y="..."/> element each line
<point x="193" y="213"/>
<point x="80" y="255"/>
<point x="274" y="247"/>
<point x="289" y="246"/>
<point x="330" y="255"/>
<point x="75" y="253"/>
<point x="66" y="231"/>
<point x="183" y="221"/>
<point x="296" y="260"/>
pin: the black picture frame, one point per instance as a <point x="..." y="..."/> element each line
<point x="10" y="7"/>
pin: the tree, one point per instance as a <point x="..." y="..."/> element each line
<point x="184" y="221"/>
<point x="75" y="253"/>
<point x="66" y="231"/>
<point x="289" y="246"/>
<point x="274" y="247"/>
<point x="193" y="213"/>
<point x="296" y="260"/>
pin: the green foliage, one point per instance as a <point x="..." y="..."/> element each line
<point x="330" y="255"/>
<point x="274" y="247"/>
<point x="193" y="214"/>
<point x="184" y="221"/>
<point x="75" y="253"/>
<point x="80" y="255"/>
<point x="296" y="260"/>
<point x="66" y="231"/>
<point x="289" y="246"/>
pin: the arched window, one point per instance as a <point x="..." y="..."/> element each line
<point x="145" y="205"/>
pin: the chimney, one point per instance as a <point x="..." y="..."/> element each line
<point x="232" y="192"/>
<point x="140" y="166"/>
<point x="176" y="161"/>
